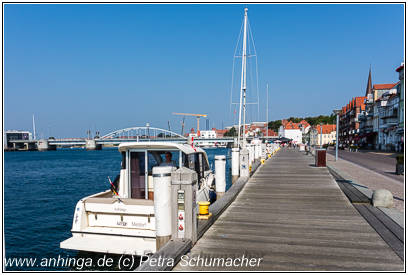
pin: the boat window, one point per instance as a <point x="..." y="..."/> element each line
<point x="184" y="160"/>
<point x="159" y="158"/>
<point x="205" y="162"/>
<point x="190" y="161"/>
<point x="123" y="163"/>
<point x="137" y="175"/>
<point x="200" y="165"/>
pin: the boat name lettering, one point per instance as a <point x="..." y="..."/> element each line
<point x="121" y="223"/>
<point x="138" y="224"/>
<point x="119" y="209"/>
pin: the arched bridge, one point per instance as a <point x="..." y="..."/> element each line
<point x="142" y="133"/>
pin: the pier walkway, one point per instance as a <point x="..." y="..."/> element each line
<point x="295" y="217"/>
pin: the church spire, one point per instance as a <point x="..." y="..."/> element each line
<point x="369" y="89"/>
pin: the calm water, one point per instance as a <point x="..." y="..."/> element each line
<point x="42" y="188"/>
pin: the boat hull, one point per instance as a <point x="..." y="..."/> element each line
<point x="110" y="244"/>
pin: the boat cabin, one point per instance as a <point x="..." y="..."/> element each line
<point x="139" y="158"/>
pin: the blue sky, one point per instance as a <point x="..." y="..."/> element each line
<point x="107" y="67"/>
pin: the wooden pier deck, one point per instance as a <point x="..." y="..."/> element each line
<point x="295" y="217"/>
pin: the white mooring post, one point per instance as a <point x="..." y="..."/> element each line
<point x="235" y="164"/>
<point x="257" y="153"/>
<point x="220" y="184"/>
<point x="252" y="154"/>
<point x="249" y="147"/>
<point x="263" y="151"/>
<point x="162" y="204"/>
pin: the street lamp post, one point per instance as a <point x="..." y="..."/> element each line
<point x="337" y="112"/>
<point x="321" y="135"/>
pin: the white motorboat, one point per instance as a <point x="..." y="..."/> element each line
<point x="122" y="220"/>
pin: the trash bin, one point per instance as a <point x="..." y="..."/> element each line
<point x="320" y="157"/>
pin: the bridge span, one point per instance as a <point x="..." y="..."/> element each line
<point x="132" y="134"/>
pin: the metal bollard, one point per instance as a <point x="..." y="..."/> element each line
<point x="184" y="206"/>
<point x="244" y="163"/>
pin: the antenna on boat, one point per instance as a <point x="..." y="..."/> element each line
<point x="34" y="127"/>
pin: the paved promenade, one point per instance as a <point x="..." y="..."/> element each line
<point x="295" y="217"/>
<point x="380" y="162"/>
<point x="370" y="179"/>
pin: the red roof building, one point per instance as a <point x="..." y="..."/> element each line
<point x="384" y="86"/>
<point x="290" y="126"/>
<point x="326" y="129"/>
<point x="349" y="124"/>
<point x="219" y="133"/>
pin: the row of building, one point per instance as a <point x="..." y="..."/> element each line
<point x="301" y="132"/>
<point x="304" y="133"/>
<point x="254" y="129"/>
<point x="376" y="120"/>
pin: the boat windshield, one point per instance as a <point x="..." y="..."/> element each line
<point x="142" y="162"/>
<point x="141" y="169"/>
<point x="162" y="158"/>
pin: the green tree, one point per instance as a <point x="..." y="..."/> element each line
<point x="274" y="125"/>
<point x="231" y="132"/>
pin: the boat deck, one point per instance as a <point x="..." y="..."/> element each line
<point x="295" y="217"/>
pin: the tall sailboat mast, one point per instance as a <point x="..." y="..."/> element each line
<point x="267" y="99"/>
<point x="242" y="99"/>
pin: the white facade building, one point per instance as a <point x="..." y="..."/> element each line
<point x="292" y="131"/>
<point x="326" y="136"/>
<point x="208" y="134"/>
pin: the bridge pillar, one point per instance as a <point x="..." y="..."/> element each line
<point x="42" y="145"/>
<point x="90" y="145"/>
<point x="29" y="146"/>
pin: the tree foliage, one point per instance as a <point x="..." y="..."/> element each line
<point x="274" y="125"/>
<point x="231" y="133"/>
<point x="321" y="119"/>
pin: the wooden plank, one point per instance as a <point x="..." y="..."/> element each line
<point x="298" y="218"/>
<point x="174" y="249"/>
<point x="351" y="194"/>
<point x="218" y="207"/>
